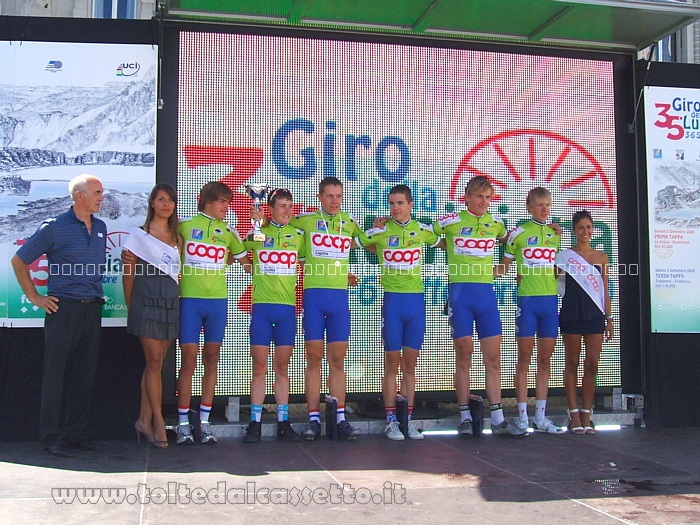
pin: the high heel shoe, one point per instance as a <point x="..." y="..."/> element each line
<point x="574" y="430"/>
<point x="589" y="429"/>
<point x="139" y="431"/>
<point x="158" y="443"/>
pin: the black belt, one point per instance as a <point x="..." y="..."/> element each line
<point x="92" y="300"/>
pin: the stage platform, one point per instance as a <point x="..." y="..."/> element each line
<point x="632" y="475"/>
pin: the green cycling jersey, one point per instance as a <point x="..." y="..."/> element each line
<point x="275" y="263"/>
<point x="399" y="248"/>
<point x="327" y="248"/>
<point x="207" y="243"/>
<point x="471" y="241"/>
<point x="534" y="245"/>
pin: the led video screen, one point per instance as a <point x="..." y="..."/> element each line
<point x="289" y="111"/>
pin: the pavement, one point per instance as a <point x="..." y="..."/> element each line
<point x="632" y="475"/>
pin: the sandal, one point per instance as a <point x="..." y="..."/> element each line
<point x="158" y="443"/>
<point x="141" y="432"/>
<point x="574" y="430"/>
<point x="589" y="429"/>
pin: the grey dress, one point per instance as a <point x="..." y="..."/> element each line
<point x="155" y="304"/>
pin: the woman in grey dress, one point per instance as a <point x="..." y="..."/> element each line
<point x="152" y="297"/>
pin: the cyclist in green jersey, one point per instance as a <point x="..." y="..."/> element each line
<point x="471" y="237"/>
<point x="533" y="246"/>
<point x="209" y="245"/>
<point x="329" y="237"/>
<point x="398" y="244"/>
<point x="273" y="315"/>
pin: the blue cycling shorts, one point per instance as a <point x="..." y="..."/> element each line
<point x="326" y="310"/>
<point x="273" y="322"/>
<point x="403" y="321"/>
<point x="537" y="314"/>
<point x="196" y="314"/>
<point x="470" y="302"/>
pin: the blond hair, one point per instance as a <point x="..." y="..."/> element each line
<point x="537" y="194"/>
<point x="478" y="183"/>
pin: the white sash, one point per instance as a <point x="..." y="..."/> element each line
<point x="153" y="251"/>
<point x="585" y="274"/>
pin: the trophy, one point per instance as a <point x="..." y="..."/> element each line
<point x="257" y="192"/>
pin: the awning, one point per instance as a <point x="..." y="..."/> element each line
<point x="612" y="25"/>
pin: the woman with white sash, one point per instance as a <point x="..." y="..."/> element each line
<point x="151" y="260"/>
<point x="585" y="315"/>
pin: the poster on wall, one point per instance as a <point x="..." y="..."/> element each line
<point x="66" y="109"/>
<point x="289" y="111"/>
<point x="673" y="174"/>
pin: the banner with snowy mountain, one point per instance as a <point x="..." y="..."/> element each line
<point x="66" y="109"/>
<point x="673" y="174"/>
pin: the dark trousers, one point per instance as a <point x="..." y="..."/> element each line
<point x="72" y="344"/>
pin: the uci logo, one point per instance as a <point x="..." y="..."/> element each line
<point x="331" y="241"/>
<point x="410" y="257"/>
<point x="288" y="259"/>
<point x="128" y="69"/>
<point x="541" y="254"/>
<point x="214" y="253"/>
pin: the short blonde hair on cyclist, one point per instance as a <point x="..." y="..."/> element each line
<point x="538" y="194"/>
<point x="478" y="183"/>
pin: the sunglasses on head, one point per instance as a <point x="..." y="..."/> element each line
<point x="279" y="192"/>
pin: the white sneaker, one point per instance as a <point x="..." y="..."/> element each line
<point x="393" y="432"/>
<point x="547" y="426"/>
<point x="413" y="432"/>
<point x="521" y="424"/>
<point x="206" y="435"/>
<point x="465" y="429"/>
<point x="506" y="428"/>
<point x="184" y="434"/>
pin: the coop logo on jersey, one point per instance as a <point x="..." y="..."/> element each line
<point x="197" y="235"/>
<point x="269" y="242"/>
<point x="54" y="66"/>
<point x="401" y="259"/>
<point x="330" y="246"/>
<point x="474" y="247"/>
<point x="202" y="255"/>
<point x="393" y="242"/>
<point x="277" y="262"/>
<point x="128" y="69"/>
<point x="532" y="241"/>
<point x="539" y="256"/>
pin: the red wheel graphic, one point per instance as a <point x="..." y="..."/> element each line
<point x="535" y="157"/>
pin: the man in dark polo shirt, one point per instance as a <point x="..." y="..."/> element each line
<point x="74" y="243"/>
